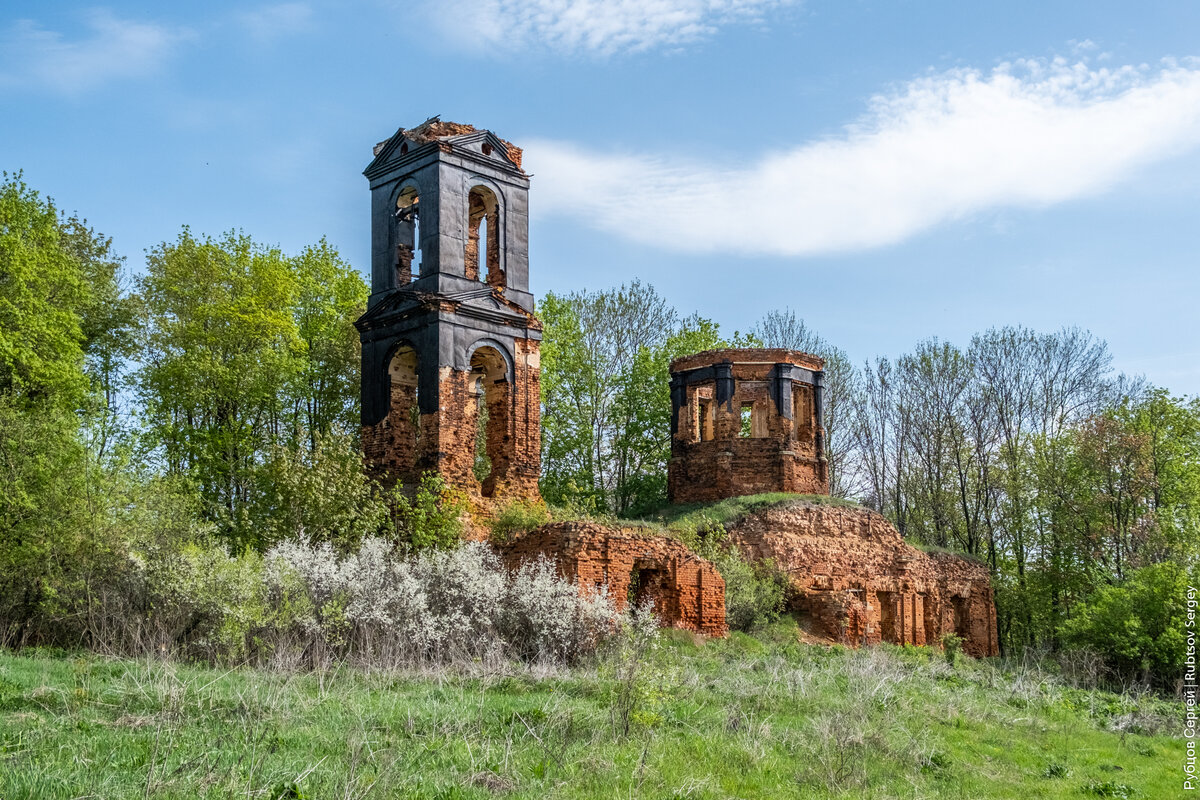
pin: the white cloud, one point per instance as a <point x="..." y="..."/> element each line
<point x="1028" y="134"/>
<point x="601" y="27"/>
<point x="270" y="22"/>
<point x="113" y="49"/>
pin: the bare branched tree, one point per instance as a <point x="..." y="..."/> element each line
<point x="782" y="328"/>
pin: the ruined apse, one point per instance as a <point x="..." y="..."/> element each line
<point x="449" y="339"/>
<point x="746" y="421"/>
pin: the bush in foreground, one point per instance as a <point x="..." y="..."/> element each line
<point x="385" y="607"/>
<point x="306" y="605"/>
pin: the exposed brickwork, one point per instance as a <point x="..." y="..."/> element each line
<point x="748" y="355"/>
<point x="861" y="583"/>
<point x="513" y="433"/>
<point x="461" y="328"/>
<point x="687" y="591"/>
<point x="405" y="443"/>
<point x="399" y="447"/>
<point x="746" y="421"/>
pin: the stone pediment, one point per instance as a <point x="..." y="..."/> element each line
<point x="465" y="139"/>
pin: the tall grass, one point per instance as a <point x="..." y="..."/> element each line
<point x="752" y="716"/>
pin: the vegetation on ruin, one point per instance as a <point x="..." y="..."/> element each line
<point x="1023" y="450"/>
<point x="727" y="512"/>
<point x="657" y="717"/>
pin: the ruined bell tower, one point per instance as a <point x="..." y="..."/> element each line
<point x="449" y="339"/>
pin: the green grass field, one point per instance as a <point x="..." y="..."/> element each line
<point x="742" y="718"/>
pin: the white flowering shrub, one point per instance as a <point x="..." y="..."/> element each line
<point x="307" y="604"/>
<point x="386" y="606"/>
<point x="546" y="617"/>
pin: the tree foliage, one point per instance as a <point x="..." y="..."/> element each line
<point x="244" y="350"/>
<point x="64" y="331"/>
<point x="1137" y="625"/>
<point x="1027" y="451"/>
<point x="222" y="397"/>
<point x="782" y="328"/>
<point x="606" y="394"/>
<point x="44" y="292"/>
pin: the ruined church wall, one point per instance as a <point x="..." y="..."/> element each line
<point x="861" y="583"/>
<point x="711" y="459"/>
<point x="688" y="592"/>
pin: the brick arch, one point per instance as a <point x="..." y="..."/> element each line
<point x="484" y="252"/>
<point x="469" y="352"/>
<point x="402" y="430"/>
<point x="406" y="233"/>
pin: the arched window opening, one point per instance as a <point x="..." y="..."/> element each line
<point x="404" y="411"/>
<point x="483" y="237"/>
<point x="704" y="418"/>
<point x="492" y="399"/>
<point x="408" y="236"/>
<point x="802" y="411"/>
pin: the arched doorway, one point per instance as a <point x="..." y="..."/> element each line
<point x="483" y="237"/>
<point x="492" y="391"/>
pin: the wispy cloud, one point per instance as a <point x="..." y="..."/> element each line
<point x="112" y="49"/>
<point x="274" y="21"/>
<point x="942" y="147"/>
<point x="600" y="27"/>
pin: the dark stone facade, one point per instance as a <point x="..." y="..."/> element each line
<point x="450" y="343"/>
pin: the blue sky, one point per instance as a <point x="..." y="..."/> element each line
<point x="892" y="171"/>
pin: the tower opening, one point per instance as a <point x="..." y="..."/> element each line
<point x="404" y="412"/>
<point x="483" y="239"/>
<point x="408" y="236"/>
<point x="438" y="219"/>
<point x="492" y="401"/>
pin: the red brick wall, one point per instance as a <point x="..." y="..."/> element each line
<point x="687" y="591"/>
<point x="780" y="456"/>
<point x="513" y="432"/>
<point x="397" y="449"/>
<point x="766" y="355"/>
<point x="861" y="583"/>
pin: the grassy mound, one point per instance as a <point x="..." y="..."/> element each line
<point x="730" y="510"/>
<point x="749" y="717"/>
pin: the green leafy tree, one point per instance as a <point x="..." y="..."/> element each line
<point x="316" y="494"/>
<point x="643" y="408"/>
<point x="1138" y="624"/>
<point x="220" y="352"/>
<point x="1170" y="427"/>
<point x="431" y="518"/>
<point x="606" y="395"/>
<point x="330" y="296"/>
<point x="43" y="291"/>
<point x="569" y="386"/>
<point x="64" y="330"/>
<point x="244" y="349"/>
